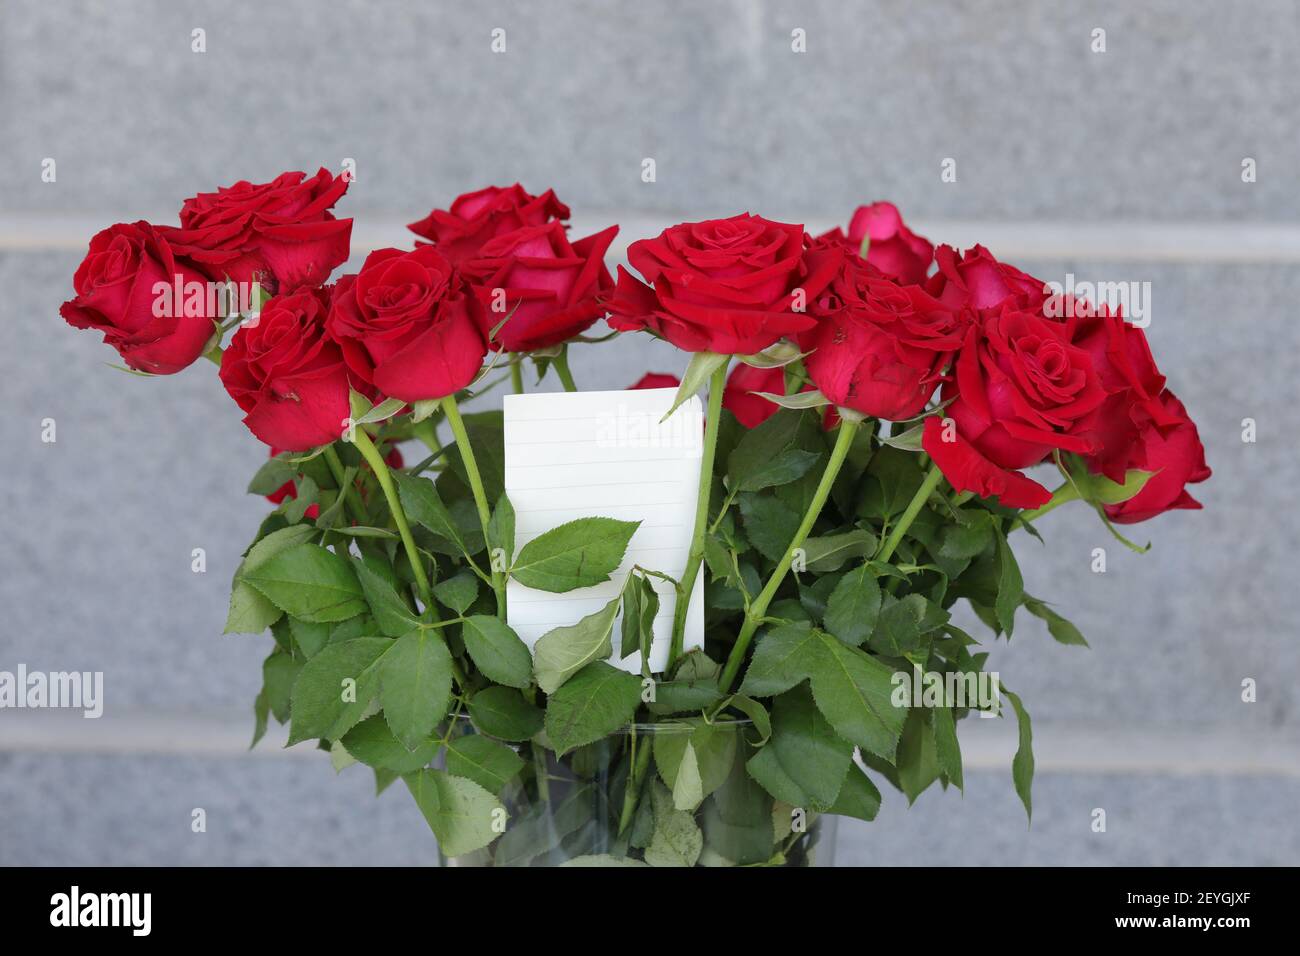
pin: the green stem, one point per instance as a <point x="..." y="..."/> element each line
<point x="517" y="376"/>
<point x="931" y="482"/>
<point x="561" y="363"/>
<point x="1067" y="492"/>
<point x="635" y="776"/>
<point x="758" y="607"/>
<point x="717" y="383"/>
<point x="214" y="355"/>
<point x="380" y="468"/>
<point x="452" y="411"/>
<point x="349" y="493"/>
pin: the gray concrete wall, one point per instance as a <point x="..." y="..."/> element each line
<point x="1123" y="165"/>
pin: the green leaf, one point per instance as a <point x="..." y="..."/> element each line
<point x="309" y="582"/>
<point x="501" y="530"/>
<point x="603" y="859"/>
<point x="462" y="815"/>
<point x="767" y="772"/>
<point x="422" y="505"/>
<point x="497" y="650"/>
<point x="250" y="611"/>
<point x="487" y="441"/>
<point x="457" y="592"/>
<point x="502" y="712"/>
<point x="853" y="606"/>
<point x="335" y="688"/>
<point x="595" y="702"/>
<point x="563" y="651"/>
<point x="272" y="475"/>
<point x="769" y="454"/>
<point x="799" y="400"/>
<point x="373" y="743"/>
<point x="808" y="749"/>
<point x="279" y="671"/>
<point x="893" y="478"/>
<point x="393" y="616"/>
<point x="1022" y="765"/>
<point x="677" y="840"/>
<point x="854" y="692"/>
<point x="1011" y="587"/>
<point x="415" y="686"/>
<point x="781" y="660"/>
<point x="947" y="749"/>
<point x="770" y="524"/>
<point x="697" y="375"/>
<point x="487" y="762"/>
<point x="576" y="554"/>
<point x="1062" y="630"/>
<point x="898" y="626"/>
<point x="630" y="639"/>
<point x="830" y="552"/>
<point x="695" y="760"/>
<point x="858" y="796"/>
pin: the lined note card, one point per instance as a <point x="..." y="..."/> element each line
<point x="606" y="454"/>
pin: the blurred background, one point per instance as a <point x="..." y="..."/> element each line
<point x="1113" y="157"/>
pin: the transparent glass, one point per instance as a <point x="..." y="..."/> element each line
<point x="578" y="808"/>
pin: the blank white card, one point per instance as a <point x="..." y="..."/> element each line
<point x="606" y="454"/>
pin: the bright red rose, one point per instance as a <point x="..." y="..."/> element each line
<point x="408" y="324"/>
<point x="879" y="347"/>
<point x="752" y="410"/>
<point x="280" y="234"/>
<point x="474" y="218"/>
<point x="125" y="289"/>
<point x="540" y="285"/>
<point x="734" y="286"/>
<point x="1020" y="390"/>
<point x="894" y="249"/>
<point x="976" y="280"/>
<point x="287" y="374"/>
<point x="656" y="380"/>
<point x="1173" y="453"/>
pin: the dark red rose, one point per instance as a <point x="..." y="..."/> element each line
<point x="734" y="286"/>
<point x="894" y="249"/>
<point x="287" y="374"/>
<point x="474" y="218"/>
<point x="975" y="279"/>
<point x="879" y="347"/>
<point x="408" y="324"/>
<point x="126" y="288"/>
<point x="542" y="287"/>
<point x="1020" y="391"/>
<point x="280" y="234"/>
<point x="656" y="380"/>
<point x="752" y="410"/>
<point x="1173" y="453"/>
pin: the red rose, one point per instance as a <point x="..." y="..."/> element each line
<point x="1176" y="458"/>
<point x="408" y="324"/>
<point x="281" y="234"/>
<point x="879" y="347"/>
<point x="540" y="285"/>
<point x="752" y="410"/>
<point x="655" y="380"/>
<point x="1019" y="391"/>
<point x="734" y="286"/>
<point x="287" y="374"/>
<point x="475" y="218"/>
<point x="976" y="280"/>
<point x="894" y="249"/>
<point x="125" y="288"/>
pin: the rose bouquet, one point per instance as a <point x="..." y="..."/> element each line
<point x="872" y="407"/>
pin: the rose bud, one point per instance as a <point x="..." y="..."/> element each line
<point x="655" y="380"/>
<point x="125" y="288"/>
<point x="280" y="234"/>
<point x="974" y="279"/>
<point x="1019" y="389"/>
<point x="539" y="285"/>
<point x="894" y="249"/>
<point x="733" y="286"/>
<point x="879" y="348"/>
<point x="408" y="324"/>
<point x="474" y="218"/>
<point x="288" y="375"/>
<point x="1173" y="453"/>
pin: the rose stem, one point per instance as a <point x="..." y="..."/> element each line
<point x="517" y="377"/>
<point x="931" y="482"/>
<point x="380" y="468"/>
<point x="561" y="363"/>
<point x="452" y="411"/>
<point x="758" y="607"/>
<point x="345" y="489"/>
<point x="717" y="383"/>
